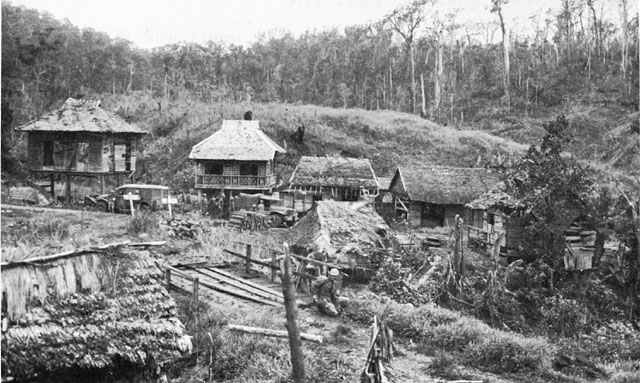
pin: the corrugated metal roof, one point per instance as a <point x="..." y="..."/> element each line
<point x="81" y="116"/>
<point x="334" y="172"/>
<point x="240" y="140"/>
<point x="444" y="186"/>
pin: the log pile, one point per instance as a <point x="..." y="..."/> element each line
<point x="184" y="229"/>
<point x="244" y="220"/>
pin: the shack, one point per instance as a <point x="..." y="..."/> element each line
<point x="350" y="233"/>
<point x="238" y="158"/>
<point x="87" y="314"/>
<point x="433" y="196"/>
<point x="330" y="178"/>
<point x="384" y="201"/>
<point x="81" y="139"/>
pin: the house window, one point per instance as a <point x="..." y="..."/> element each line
<point x="47" y="149"/>
<point x="213" y="168"/>
<point x="249" y="169"/>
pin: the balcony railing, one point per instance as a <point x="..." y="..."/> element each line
<point x="237" y="182"/>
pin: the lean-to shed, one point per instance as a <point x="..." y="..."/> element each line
<point x="347" y="231"/>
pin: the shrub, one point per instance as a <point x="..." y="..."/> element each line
<point x="564" y="317"/>
<point x="143" y="222"/>
<point x="391" y="279"/>
<point x="504" y="352"/>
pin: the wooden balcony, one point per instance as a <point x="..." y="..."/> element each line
<point x="214" y="181"/>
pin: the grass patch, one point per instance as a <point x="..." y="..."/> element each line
<point x="477" y="344"/>
<point x="143" y="223"/>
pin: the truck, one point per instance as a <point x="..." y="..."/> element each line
<point x="145" y="198"/>
<point x="270" y="207"/>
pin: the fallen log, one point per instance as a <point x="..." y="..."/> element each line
<point x="274" y="333"/>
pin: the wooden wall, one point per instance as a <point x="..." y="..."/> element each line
<point x="81" y="152"/>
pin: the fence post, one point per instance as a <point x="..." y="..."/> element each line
<point x="295" y="343"/>
<point x="167" y="279"/>
<point x="196" y="285"/>
<point x="247" y="262"/>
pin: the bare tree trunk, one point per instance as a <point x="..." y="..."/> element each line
<point x="625" y="38"/>
<point x="412" y="74"/>
<point x="423" y="111"/>
<point x="505" y="52"/>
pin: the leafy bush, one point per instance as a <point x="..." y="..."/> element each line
<point x="504" y="352"/>
<point x="391" y="279"/>
<point x="564" y="317"/>
<point x="143" y="222"/>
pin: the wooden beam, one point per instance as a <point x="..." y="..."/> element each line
<point x="295" y="343"/>
<point x="257" y="262"/>
<point x="274" y="333"/>
<point x="52" y="257"/>
<point x="224" y="290"/>
<point x="254" y="285"/>
<point x="239" y="285"/>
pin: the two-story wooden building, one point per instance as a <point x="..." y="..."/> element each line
<point x="81" y="139"/>
<point x="238" y="158"/>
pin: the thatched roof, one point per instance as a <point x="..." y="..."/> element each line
<point x="240" y="140"/>
<point x="334" y="172"/>
<point x="87" y="310"/>
<point x="443" y="186"/>
<point x="384" y="182"/>
<point x="81" y="116"/>
<point x="339" y="228"/>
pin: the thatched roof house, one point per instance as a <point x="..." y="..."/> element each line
<point x="239" y="140"/>
<point x="433" y="196"/>
<point x="239" y="157"/>
<point x="94" y="311"/>
<point x="82" y="139"/>
<point x="346" y="231"/>
<point x="335" y="178"/>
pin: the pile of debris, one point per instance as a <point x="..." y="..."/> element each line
<point x="184" y="229"/>
<point x="244" y="220"/>
<point x="26" y="195"/>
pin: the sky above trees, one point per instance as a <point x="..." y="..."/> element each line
<point x="152" y="23"/>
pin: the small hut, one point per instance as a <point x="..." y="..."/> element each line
<point x="433" y="196"/>
<point x="81" y="139"/>
<point x="87" y="314"/>
<point x="348" y="232"/>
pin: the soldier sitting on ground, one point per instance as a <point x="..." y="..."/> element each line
<point x="326" y="295"/>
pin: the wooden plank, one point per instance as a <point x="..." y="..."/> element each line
<point x="228" y="291"/>
<point x="254" y="285"/>
<point x="274" y="333"/>
<point x="239" y="285"/>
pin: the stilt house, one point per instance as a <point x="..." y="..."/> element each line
<point x="238" y="158"/>
<point x="82" y="139"/>
<point x="433" y="196"/>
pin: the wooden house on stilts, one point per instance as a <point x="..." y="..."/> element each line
<point x="82" y="139"/>
<point x="238" y="158"/>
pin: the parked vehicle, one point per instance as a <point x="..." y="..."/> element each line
<point x="266" y="205"/>
<point x="145" y="198"/>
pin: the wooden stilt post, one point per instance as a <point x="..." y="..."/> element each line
<point x="102" y="179"/>
<point x="295" y="343"/>
<point x="52" y="179"/>
<point x="274" y="264"/>
<point x="196" y="285"/>
<point x="67" y="191"/>
<point x="247" y="263"/>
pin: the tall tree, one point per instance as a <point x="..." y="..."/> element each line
<point x="497" y="8"/>
<point x="405" y="21"/>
